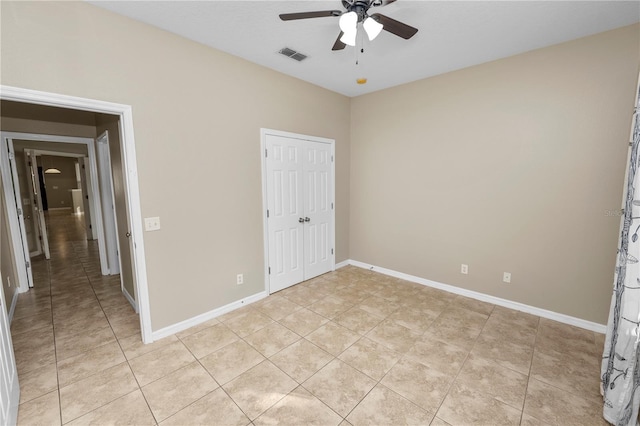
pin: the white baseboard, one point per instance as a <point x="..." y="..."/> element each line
<point x="342" y="264"/>
<point x="59" y="208"/>
<point x="130" y="299"/>
<point x="566" y="319"/>
<point x="199" y="319"/>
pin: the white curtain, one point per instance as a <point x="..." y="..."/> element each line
<point x="621" y="356"/>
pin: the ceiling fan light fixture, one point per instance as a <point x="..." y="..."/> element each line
<point x="349" y="22"/>
<point x="349" y="38"/>
<point x="372" y="28"/>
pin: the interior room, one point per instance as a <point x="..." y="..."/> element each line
<point x="420" y="226"/>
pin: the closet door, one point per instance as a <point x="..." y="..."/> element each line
<point x="317" y="209"/>
<point x="299" y="194"/>
<point x="285" y="216"/>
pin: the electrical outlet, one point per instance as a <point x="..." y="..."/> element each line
<point x="240" y="279"/>
<point x="464" y="269"/>
<point x="151" y="223"/>
<point x="506" y="277"/>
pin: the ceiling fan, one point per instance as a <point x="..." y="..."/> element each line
<point x="357" y="11"/>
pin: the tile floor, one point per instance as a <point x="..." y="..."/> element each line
<point x="350" y="347"/>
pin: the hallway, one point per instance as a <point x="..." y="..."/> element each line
<point x="73" y="324"/>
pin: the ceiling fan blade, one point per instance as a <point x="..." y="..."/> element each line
<point x="377" y="3"/>
<point x="307" y="15"/>
<point x="338" y="45"/>
<point x="395" y="27"/>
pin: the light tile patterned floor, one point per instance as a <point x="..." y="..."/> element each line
<point x="350" y="347"/>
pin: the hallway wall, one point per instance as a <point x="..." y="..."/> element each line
<point x="11" y="124"/>
<point x="59" y="186"/>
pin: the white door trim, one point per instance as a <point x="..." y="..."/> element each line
<point x="265" y="226"/>
<point x="131" y="183"/>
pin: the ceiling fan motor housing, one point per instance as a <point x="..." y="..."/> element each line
<point x="360" y="7"/>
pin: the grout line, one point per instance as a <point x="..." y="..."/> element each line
<point x="53" y="331"/>
<point x="533" y="353"/>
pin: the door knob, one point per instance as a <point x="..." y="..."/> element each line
<point x="306" y="219"/>
<point x="128" y="234"/>
<point x="301" y="220"/>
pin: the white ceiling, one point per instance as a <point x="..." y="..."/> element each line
<point x="452" y="34"/>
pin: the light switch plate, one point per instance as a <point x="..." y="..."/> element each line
<point x="151" y="223"/>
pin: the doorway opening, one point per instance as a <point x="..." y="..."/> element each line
<point x="129" y="247"/>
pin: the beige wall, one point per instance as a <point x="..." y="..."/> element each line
<point x="506" y="166"/>
<point x="197" y="116"/>
<point x="7" y="263"/>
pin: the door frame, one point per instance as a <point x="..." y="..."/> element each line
<point x="10" y="136"/>
<point x="85" y="184"/>
<point x="125" y="115"/>
<point x="265" y="224"/>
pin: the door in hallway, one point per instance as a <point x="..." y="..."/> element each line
<point x="299" y="191"/>
<point x="9" y="387"/>
<point x="108" y="206"/>
<point x="38" y="205"/>
<point x="15" y="212"/>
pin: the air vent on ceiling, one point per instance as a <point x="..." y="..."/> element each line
<point x="292" y="54"/>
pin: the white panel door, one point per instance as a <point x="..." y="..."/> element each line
<point x="285" y="216"/>
<point x="317" y="209"/>
<point x="25" y="273"/>
<point x="9" y="387"/>
<point x="31" y="225"/>
<point x="108" y="206"/>
<point x="37" y="204"/>
<point x="299" y="194"/>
